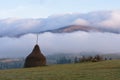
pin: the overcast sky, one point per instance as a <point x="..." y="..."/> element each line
<point x="45" y="8"/>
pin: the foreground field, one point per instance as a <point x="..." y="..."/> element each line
<point x="105" y="70"/>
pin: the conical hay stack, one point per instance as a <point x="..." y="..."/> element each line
<point x="36" y="58"/>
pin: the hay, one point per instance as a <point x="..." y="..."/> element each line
<point x="35" y="58"/>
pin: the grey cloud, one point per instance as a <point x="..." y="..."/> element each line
<point x="108" y="21"/>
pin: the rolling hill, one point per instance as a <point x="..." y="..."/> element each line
<point x="73" y="28"/>
<point x="104" y="70"/>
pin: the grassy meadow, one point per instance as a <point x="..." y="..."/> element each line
<point x="104" y="70"/>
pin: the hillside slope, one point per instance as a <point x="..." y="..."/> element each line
<point x="105" y="70"/>
<point x="73" y="28"/>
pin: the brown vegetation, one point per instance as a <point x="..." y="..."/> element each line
<point x="96" y="58"/>
<point x="36" y="58"/>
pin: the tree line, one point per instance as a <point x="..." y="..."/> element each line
<point x="65" y="60"/>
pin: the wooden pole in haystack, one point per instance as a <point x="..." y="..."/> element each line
<point x="35" y="58"/>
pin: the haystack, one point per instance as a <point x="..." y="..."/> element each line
<point x="35" y="58"/>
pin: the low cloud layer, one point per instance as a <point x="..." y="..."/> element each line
<point x="51" y="43"/>
<point x="107" y="20"/>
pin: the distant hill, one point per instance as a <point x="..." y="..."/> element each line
<point x="11" y="63"/>
<point x="8" y="60"/>
<point x="73" y="28"/>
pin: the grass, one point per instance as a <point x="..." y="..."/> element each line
<point x="104" y="70"/>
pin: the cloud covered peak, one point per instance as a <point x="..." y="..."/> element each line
<point x="107" y="20"/>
